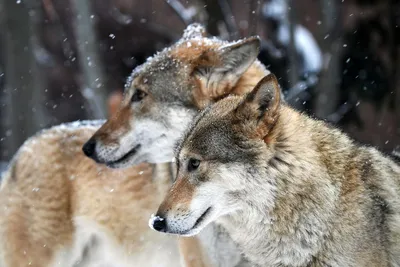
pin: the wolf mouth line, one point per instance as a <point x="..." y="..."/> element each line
<point x="201" y="218"/>
<point x="129" y="154"/>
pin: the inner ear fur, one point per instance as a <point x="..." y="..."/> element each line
<point x="218" y="70"/>
<point x="260" y="107"/>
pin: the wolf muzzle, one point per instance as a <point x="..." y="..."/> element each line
<point x="89" y="149"/>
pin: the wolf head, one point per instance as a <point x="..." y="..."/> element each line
<point x="228" y="146"/>
<point x="163" y="95"/>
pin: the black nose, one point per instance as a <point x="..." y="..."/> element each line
<point x="89" y="148"/>
<point x="159" y="224"/>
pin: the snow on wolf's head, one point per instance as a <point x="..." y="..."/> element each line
<point x="164" y="94"/>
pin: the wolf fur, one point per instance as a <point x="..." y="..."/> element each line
<point x="289" y="189"/>
<point x="60" y="208"/>
<point x="161" y="99"/>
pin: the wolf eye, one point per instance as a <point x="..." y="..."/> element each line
<point x="138" y="95"/>
<point x="193" y="164"/>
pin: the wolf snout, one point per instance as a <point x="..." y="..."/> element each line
<point x="89" y="148"/>
<point x="158" y="223"/>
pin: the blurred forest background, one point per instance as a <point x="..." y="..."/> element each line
<point x="60" y="60"/>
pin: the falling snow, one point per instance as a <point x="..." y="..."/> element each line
<point x="350" y="70"/>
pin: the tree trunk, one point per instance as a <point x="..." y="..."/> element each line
<point x="393" y="10"/>
<point x="215" y="17"/>
<point x="294" y="72"/>
<point x="93" y="83"/>
<point x="23" y="83"/>
<point x="332" y="48"/>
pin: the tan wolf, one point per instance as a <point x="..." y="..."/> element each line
<point x="59" y="208"/>
<point x="289" y="189"/>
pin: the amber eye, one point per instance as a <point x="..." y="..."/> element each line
<point x="138" y="95"/>
<point x="193" y="164"/>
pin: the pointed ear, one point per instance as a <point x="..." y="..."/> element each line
<point x="261" y="106"/>
<point x="194" y="30"/>
<point x="236" y="58"/>
<point x="220" y="69"/>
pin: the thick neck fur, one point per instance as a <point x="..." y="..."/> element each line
<point x="250" y="78"/>
<point x="289" y="201"/>
<point x="246" y="83"/>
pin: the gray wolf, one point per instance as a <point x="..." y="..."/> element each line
<point x="289" y="189"/>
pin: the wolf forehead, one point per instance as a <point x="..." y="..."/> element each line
<point x="175" y="64"/>
<point x="215" y="135"/>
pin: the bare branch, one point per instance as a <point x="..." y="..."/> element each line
<point x="185" y="14"/>
<point x="229" y="19"/>
<point x="301" y="86"/>
<point x="338" y="115"/>
<point x="121" y="18"/>
<point x="253" y="16"/>
<point x="50" y="10"/>
<point x="292" y="52"/>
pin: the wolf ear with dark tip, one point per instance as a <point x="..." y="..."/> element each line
<point x="194" y="30"/>
<point x="219" y="70"/>
<point x="260" y="107"/>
